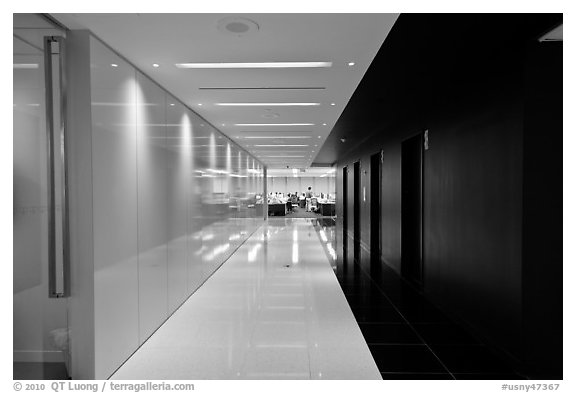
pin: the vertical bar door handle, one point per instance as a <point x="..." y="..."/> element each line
<point x="53" y="153"/>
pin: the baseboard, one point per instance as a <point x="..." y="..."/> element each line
<point x="39" y="356"/>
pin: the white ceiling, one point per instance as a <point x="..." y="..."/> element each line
<point x="167" y="39"/>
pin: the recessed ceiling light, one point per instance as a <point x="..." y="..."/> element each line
<point x="319" y="136"/>
<point x="237" y="26"/>
<point x="272" y="124"/>
<point x="332" y="103"/>
<point x="172" y="104"/>
<point x="114" y="65"/>
<point x="315" y="145"/>
<point x="199" y="104"/>
<point x="267" y="103"/>
<point x="290" y="64"/>
<point x="351" y="63"/>
<point x="155" y="65"/>
<point x="324" y="124"/>
<point x="223" y="124"/>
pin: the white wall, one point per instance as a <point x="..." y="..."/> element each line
<point x="115" y="204"/>
<point x="168" y="205"/>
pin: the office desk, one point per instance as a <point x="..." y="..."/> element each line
<point x="327" y="208"/>
<point x="277" y="209"/>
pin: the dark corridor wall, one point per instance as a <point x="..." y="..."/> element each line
<point x="466" y="79"/>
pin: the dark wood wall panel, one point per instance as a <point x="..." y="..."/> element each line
<point x="455" y="76"/>
<point x="542" y="205"/>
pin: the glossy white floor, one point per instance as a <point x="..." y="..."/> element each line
<point x="274" y="310"/>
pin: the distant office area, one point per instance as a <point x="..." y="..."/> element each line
<point x="301" y="193"/>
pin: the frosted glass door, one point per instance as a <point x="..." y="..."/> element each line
<point x="40" y="338"/>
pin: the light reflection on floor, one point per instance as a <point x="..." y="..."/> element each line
<point x="274" y="310"/>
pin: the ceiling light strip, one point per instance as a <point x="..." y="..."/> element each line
<point x="278" y="137"/>
<point x="289" y="64"/>
<point x="272" y="124"/>
<point x="281" y="145"/>
<point x="267" y="104"/>
<point x="263" y="88"/>
<point x="274" y="131"/>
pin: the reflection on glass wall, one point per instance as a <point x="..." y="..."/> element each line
<point x="40" y="334"/>
<point x="173" y="198"/>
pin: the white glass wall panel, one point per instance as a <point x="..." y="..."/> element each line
<point x="173" y="199"/>
<point x="114" y="150"/>
<point x="196" y="199"/>
<point x="153" y="190"/>
<point x="178" y="173"/>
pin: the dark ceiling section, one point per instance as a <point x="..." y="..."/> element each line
<point x="402" y="70"/>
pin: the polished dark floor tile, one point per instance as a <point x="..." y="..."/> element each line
<point x="389" y="333"/>
<point x="371" y="314"/>
<point x="374" y="294"/>
<point x="405" y="358"/>
<point x="404" y="300"/>
<point x="471" y="359"/>
<point x="480" y="377"/>
<point x="362" y="292"/>
<point x="397" y="320"/>
<point x="415" y="376"/>
<point x="358" y="288"/>
<point x="356" y="280"/>
<point x="444" y="334"/>
<point x="422" y="313"/>
<point x="368" y="301"/>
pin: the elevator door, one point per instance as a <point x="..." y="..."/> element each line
<point x="375" y="215"/>
<point x="40" y="330"/>
<point x="412" y="209"/>
<point x="345" y="210"/>
<point x="357" y="197"/>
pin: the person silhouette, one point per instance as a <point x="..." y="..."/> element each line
<point x="309" y="199"/>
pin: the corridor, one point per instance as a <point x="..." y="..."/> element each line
<point x="274" y="310"/>
<point x="288" y="196"/>
<point x="283" y="306"/>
